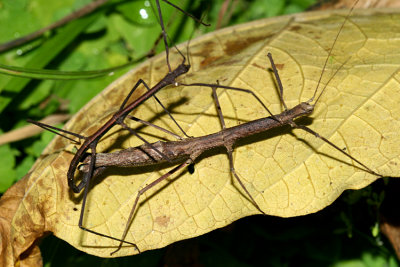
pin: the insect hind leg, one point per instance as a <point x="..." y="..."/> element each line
<point x="229" y="150"/>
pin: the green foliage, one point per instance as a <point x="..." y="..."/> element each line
<point x="7" y="171"/>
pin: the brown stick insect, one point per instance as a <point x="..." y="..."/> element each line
<point x="90" y="142"/>
<point x="160" y="160"/>
<point x="188" y="150"/>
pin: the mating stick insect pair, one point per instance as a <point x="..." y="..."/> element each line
<point x="90" y="142"/>
<point x="192" y="147"/>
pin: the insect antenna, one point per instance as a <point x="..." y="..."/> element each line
<point x="188" y="43"/>
<point x="55" y="129"/>
<point x="330" y="53"/>
<point x="164" y="33"/>
<point x="187" y="14"/>
<point x="307" y="129"/>
<point x="326" y="85"/>
<point x="166" y="39"/>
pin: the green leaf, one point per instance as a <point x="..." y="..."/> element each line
<point x="24" y="166"/>
<point x="7" y="172"/>
<point x="44" y="55"/>
<point x="37" y="147"/>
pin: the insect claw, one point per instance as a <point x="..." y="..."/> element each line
<point x="120" y="246"/>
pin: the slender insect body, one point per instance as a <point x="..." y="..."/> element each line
<point x="90" y="142"/>
<point x="181" y="150"/>
<point x="269" y="184"/>
<point x="280" y="170"/>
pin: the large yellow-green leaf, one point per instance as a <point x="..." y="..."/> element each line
<point x="288" y="173"/>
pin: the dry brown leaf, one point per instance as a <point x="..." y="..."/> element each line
<point x="284" y="172"/>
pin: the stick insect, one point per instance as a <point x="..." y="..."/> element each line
<point x="276" y="119"/>
<point x="188" y="150"/>
<point x="90" y="142"/>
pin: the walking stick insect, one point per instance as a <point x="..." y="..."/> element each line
<point x="189" y="149"/>
<point x="90" y="142"/>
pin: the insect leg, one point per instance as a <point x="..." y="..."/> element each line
<point x="87" y="178"/>
<point x="144" y="140"/>
<point x="154" y="126"/>
<point x="141" y="192"/>
<point x="166" y="111"/>
<point x="234" y="89"/>
<point x="140" y="81"/>
<point x="305" y="128"/>
<point x="229" y="150"/>
<point x="278" y="80"/>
